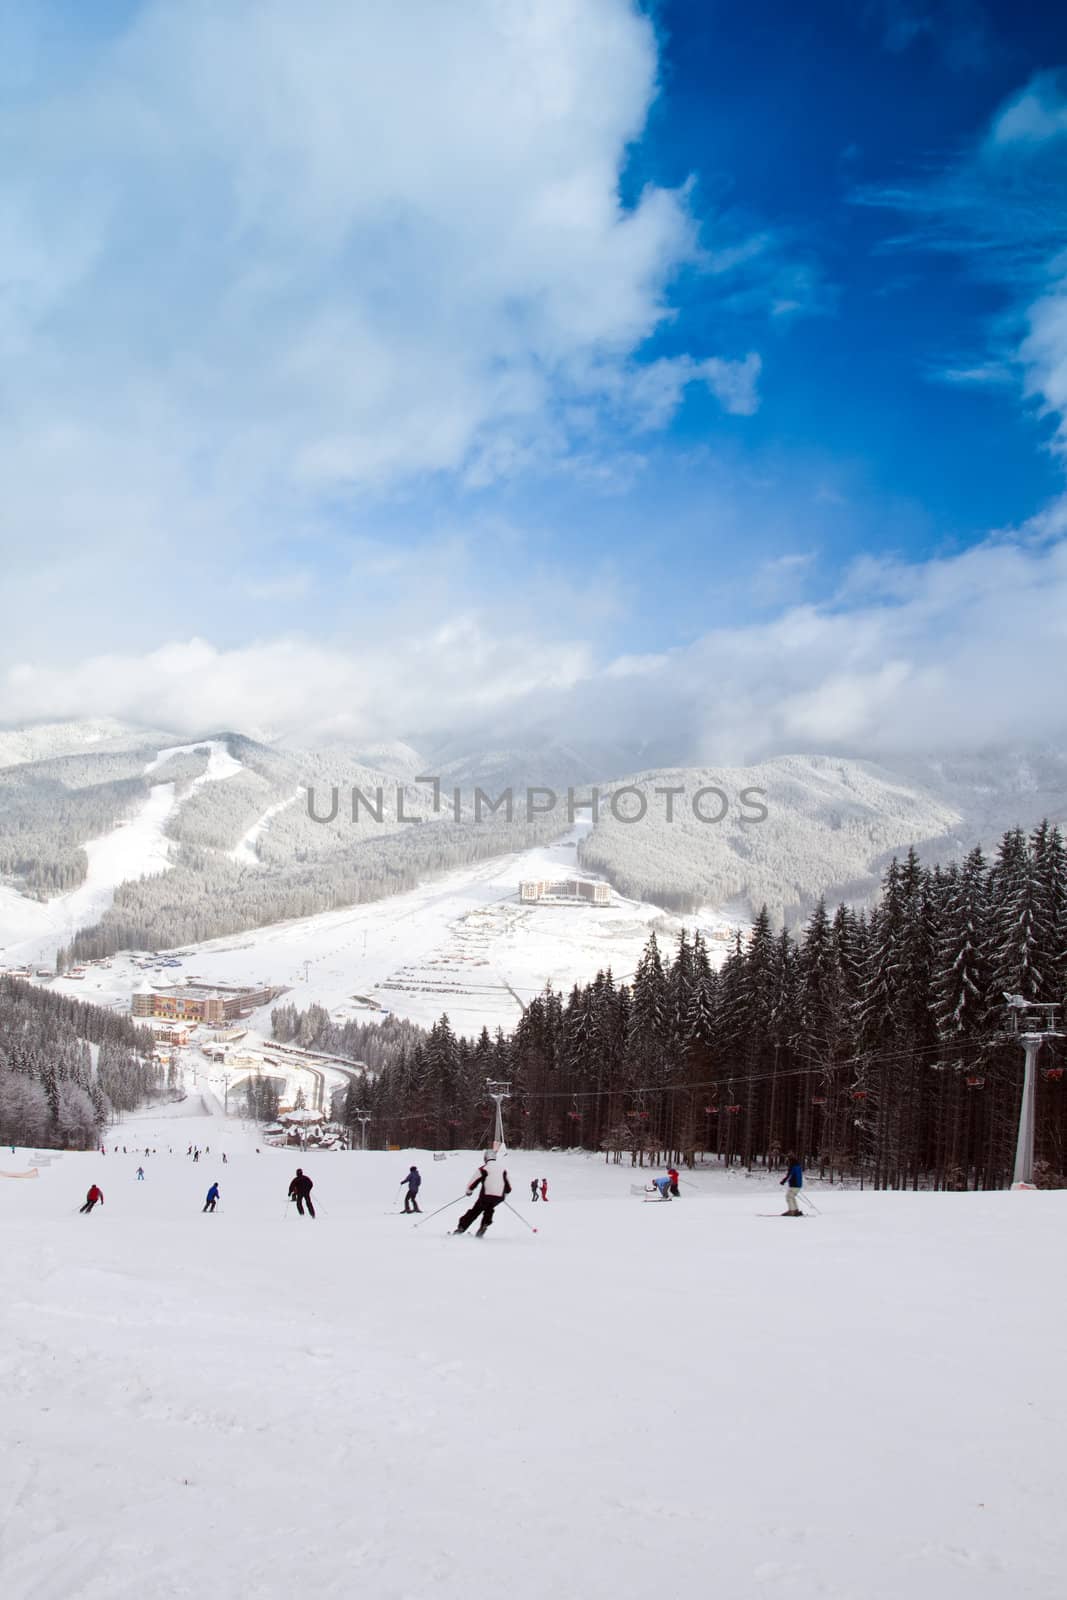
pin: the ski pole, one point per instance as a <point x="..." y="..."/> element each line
<point x="520" y="1216"/>
<point x="815" y="1210"/>
<point x="437" y="1213"/>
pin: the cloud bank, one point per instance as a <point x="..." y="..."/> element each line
<point x="952" y="654"/>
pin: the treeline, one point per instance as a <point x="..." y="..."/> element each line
<point x="52" y="1091"/>
<point x="207" y="896"/>
<point x="876" y="1045"/>
<point x="376" y="1044"/>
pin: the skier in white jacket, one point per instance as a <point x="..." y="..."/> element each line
<point x="491" y="1181"/>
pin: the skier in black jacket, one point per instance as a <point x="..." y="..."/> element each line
<point x="300" y="1191"/>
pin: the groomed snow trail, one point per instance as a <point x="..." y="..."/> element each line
<point x="245" y="848"/>
<point x="636" y="1397"/>
<point x="33" y="931"/>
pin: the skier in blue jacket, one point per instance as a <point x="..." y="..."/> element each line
<point x="213" y="1198"/>
<point x="414" y="1183"/>
<point x="794" y="1180"/>
<point x="664" y="1187"/>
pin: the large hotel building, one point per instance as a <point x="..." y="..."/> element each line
<point x="194" y="1002"/>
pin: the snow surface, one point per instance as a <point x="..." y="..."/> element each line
<point x="637" y="1400"/>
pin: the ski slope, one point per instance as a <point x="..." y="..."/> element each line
<point x="33" y="930"/>
<point x="689" y="1398"/>
<point x="244" y="851"/>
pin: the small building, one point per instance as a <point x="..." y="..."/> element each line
<point x="564" y="891"/>
<point x="193" y="1002"/>
<point x="169" y="1033"/>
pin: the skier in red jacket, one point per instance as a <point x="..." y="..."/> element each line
<point x="91" y="1199"/>
<point x="544" y="1188"/>
<point x="672" y="1174"/>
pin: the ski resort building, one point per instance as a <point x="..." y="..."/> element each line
<point x="564" y="891"/>
<point x="193" y="1002"/>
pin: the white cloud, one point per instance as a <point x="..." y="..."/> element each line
<point x="1044" y="356"/>
<point x="269" y="268"/>
<point x="341" y="242"/>
<point x="1035" y="114"/>
<point x="950" y="654"/>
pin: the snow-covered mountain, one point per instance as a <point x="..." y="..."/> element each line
<point x="247" y="852"/>
<point x="781" y="832"/>
<point x="44" y="741"/>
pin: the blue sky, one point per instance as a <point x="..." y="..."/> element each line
<point x="464" y="366"/>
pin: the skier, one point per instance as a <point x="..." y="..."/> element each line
<point x="491" y="1179"/>
<point x="224" y="1158"/>
<point x="196" y="1155"/>
<point x="300" y="1191"/>
<point x="672" y="1175"/>
<point x="91" y="1199"/>
<point x="413" y="1181"/>
<point x="544" y="1188"/>
<point x="535" y="1184"/>
<point x="794" y="1178"/>
<point x="140" y="1174"/>
<point x="664" y="1186"/>
<point x="213" y="1198"/>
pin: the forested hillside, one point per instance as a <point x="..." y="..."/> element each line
<point x="49" y="810"/>
<point x="208" y="896"/>
<point x="52" y="1093"/>
<point x="873" y="1044"/>
<point x="779" y="834"/>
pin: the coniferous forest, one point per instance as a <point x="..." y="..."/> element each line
<point x="67" y="1067"/>
<point x="876" y="1044"/>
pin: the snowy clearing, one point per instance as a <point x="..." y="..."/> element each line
<point x="251" y="1404"/>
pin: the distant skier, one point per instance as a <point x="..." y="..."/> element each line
<point x="196" y="1155"/>
<point x="491" y="1180"/>
<point x="300" y="1191"/>
<point x="213" y="1198"/>
<point x="140" y="1174"/>
<point x="672" y="1175"/>
<point x="535" y="1185"/>
<point x="794" y="1178"/>
<point x="544" y="1188"/>
<point x="94" y="1196"/>
<point x="224" y="1158"/>
<point x="413" y="1181"/>
<point x="664" y="1187"/>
